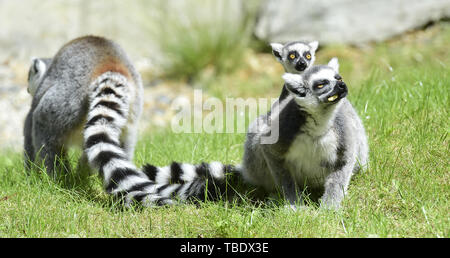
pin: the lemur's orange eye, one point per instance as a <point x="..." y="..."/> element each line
<point x="308" y="56"/>
<point x="292" y="56"/>
<point x="320" y="86"/>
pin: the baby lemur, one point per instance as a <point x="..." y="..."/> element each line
<point x="295" y="56"/>
<point x="321" y="144"/>
<point x="89" y="95"/>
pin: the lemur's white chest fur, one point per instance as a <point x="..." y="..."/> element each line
<point x="307" y="156"/>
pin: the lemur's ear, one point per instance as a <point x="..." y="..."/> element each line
<point x="334" y="64"/>
<point x="276" y="50"/>
<point x="314" y="45"/>
<point x="38" y="65"/>
<point x="294" y="83"/>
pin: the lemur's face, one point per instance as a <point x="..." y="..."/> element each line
<point x="295" y="57"/>
<point x="320" y="86"/>
<point x="37" y="70"/>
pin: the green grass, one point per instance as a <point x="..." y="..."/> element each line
<point x="204" y="40"/>
<point x="404" y="193"/>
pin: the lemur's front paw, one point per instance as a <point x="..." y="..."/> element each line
<point x="329" y="204"/>
<point x="295" y="207"/>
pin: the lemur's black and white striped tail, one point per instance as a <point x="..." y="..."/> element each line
<point x="107" y="116"/>
<point x="192" y="182"/>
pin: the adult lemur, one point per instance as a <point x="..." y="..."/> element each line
<point x="89" y="95"/>
<point x="321" y="144"/>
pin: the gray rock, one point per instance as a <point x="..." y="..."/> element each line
<point x="39" y="28"/>
<point x="345" y="21"/>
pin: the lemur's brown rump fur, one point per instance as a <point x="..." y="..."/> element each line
<point x="103" y="53"/>
<point x="110" y="64"/>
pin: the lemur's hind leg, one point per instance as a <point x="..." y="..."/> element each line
<point x="50" y="126"/>
<point x="83" y="167"/>
<point x="52" y="154"/>
<point x="47" y="148"/>
<point x="285" y="182"/>
<point x="29" y="153"/>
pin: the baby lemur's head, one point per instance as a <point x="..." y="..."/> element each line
<point x="295" y="56"/>
<point x="36" y="72"/>
<point x="319" y="87"/>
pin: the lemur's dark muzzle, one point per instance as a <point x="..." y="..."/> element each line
<point x="301" y="65"/>
<point x="340" y="91"/>
<point x="341" y="85"/>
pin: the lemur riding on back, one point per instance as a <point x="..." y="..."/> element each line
<point x="89" y="95"/>
<point x="295" y="56"/>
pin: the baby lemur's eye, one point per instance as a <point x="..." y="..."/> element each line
<point x="307" y="55"/>
<point x="293" y="55"/>
<point x="320" y="86"/>
<point x="338" y="77"/>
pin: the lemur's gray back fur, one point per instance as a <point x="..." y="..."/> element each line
<point x="90" y="96"/>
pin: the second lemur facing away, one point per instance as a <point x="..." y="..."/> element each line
<point x="89" y="95"/>
<point x="321" y="144"/>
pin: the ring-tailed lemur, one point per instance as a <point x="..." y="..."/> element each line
<point x="322" y="141"/>
<point x="296" y="57"/>
<point x="89" y="95"/>
<point x="321" y="144"/>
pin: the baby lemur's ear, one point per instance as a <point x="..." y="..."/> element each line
<point x="313" y="45"/>
<point x="276" y="50"/>
<point x="334" y="64"/>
